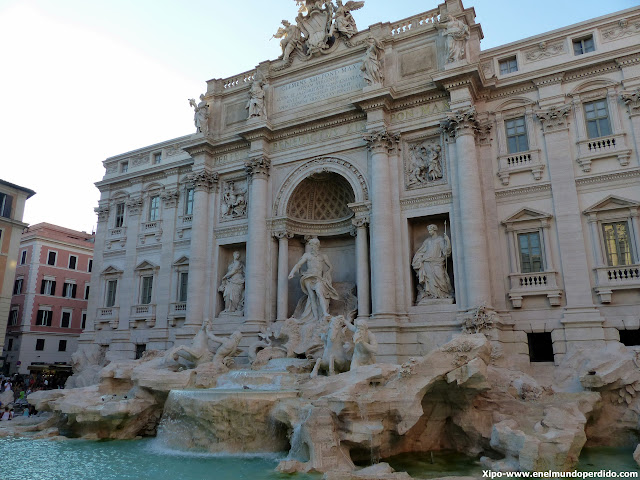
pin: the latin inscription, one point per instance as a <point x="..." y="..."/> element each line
<point x="427" y="110"/>
<point x="317" y="88"/>
<point x="319" y="136"/>
<point x="231" y="157"/>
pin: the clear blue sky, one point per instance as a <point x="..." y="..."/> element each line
<point x="84" y="80"/>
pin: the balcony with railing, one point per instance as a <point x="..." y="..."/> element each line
<point x="116" y="237"/>
<point x="184" y="225"/>
<point x="531" y="284"/>
<point x="143" y="315"/>
<point x="610" y="146"/>
<point x="609" y="279"/>
<point x="528" y="161"/>
<point x="107" y="315"/>
<point x="150" y="229"/>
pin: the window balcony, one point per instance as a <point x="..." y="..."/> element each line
<point x="609" y="279"/>
<point x="177" y="313"/>
<point x="534" y="284"/>
<point x="150" y="229"/>
<point x="107" y="315"/>
<point x="610" y="146"/>
<point x="528" y="161"/>
<point x="143" y="314"/>
<point x="184" y="225"/>
<point x="117" y="237"/>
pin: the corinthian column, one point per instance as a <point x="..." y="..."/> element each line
<point x="462" y="124"/>
<point x="203" y="183"/>
<point x="283" y="273"/>
<point x="382" y="232"/>
<point x="257" y="169"/>
<point x="362" y="265"/>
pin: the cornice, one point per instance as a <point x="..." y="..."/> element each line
<point x="420" y="99"/>
<point x="608" y="177"/>
<point x="591" y="71"/>
<point x="234" y="231"/>
<point x="527" y="190"/>
<point x="411" y="203"/>
<point x="319" y="125"/>
<point x="201" y="147"/>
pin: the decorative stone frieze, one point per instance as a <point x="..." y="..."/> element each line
<point x="258" y="166"/>
<point x="170" y="198"/>
<point x="544" y="50"/>
<point x="631" y="99"/>
<point x="623" y="28"/>
<point x="554" y="118"/>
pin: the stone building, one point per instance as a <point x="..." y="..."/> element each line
<point x="49" y="302"/>
<point x="450" y="188"/>
<point x="12" y="201"/>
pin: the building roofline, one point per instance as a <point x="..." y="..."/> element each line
<point x="30" y="192"/>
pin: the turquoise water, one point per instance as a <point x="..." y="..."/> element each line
<point x="445" y="463"/>
<point x="617" y="459"/>
<point x="26" y="459"/>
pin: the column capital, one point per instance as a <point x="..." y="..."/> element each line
<point x="360" y="222"/>
<point x="554" y="118"/>
<point x="257" y="166"/>
<point x="134" y="205"/>
<point x="103" y="212"/>
<point x="204" y="180"/>
<point x="461" y="122"/>
<point x="631" y="99"/>
<point x="170" y="198"/>
<point x="381" y="141"/>
<point x="282" y="234"/>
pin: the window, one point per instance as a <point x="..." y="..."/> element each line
<point x="40" y="344"/>
<point x="516" y="135"/>
<point x="69" y="290"/>
<point x="508" y="65"/>
<point x="147" y="286"/>
<point x="617" y="243"/>
<point x="13" y="317"/>
<point x="124" y="167"/>
<point x="5" y="205"/>
<point x="44" y="318"/>
<point x="84" y="320"/>
<point x="10" y="344"/>
<point x="65" y="320"/>
<point x="111" y="293"/>
<point x="188" y="205"/>
<point x="51" y="258"/>
<point x="48" y="287"/>
<point x="62" y="346"/>
<point x="140" y="349"/>
<point x="86" y="292"/>
<point x="157" y="158"/>
<point x="540" y="347"/>
<point x="90" y="265"/>
<point x="184" y="282"/>
<point x="119" y="215"/>
<point x="23" y="257"/>
<point x="73" y="260"/>
<point x="530" y="252"/>
<point x="597" y="116"/>
<point x="154" y="208"/>
<point x="17" y="286"/>
<point x="584" y="45"/>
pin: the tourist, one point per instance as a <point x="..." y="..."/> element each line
<point x="6" y="415"/>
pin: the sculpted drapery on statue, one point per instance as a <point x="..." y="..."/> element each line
<point x="255" y="105"/>
<point x="372" y="65"/>
<point x="200" y="115"/>
<point x="457" y="33"/>
<point x="316" y="281"/>
<point x="291" y="36"/>
<point x="429" y="264"/>
<point x="343" y="20"/>
<point x="232" y="286"/>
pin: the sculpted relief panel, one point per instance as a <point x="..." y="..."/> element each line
<point x="234" y="200"/>
<point x="424" y="164"/>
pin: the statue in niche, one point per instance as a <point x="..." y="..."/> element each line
<point x="291" y="36"/>
<point x="371" y="65"/>
<point x="425" y="164"/>
<point x="234" y="203"/>
<point x="232" y="286"/>
<point x="343" y="21"/>
<point x="316" y="281"/>
<point x="228" y="347"/>
<point x="365" y="344"/>
<point x="255" y="105"/>
<point x="200" y="115"/>
<point x="457" y="33"/>
<point x="429" y="262"/>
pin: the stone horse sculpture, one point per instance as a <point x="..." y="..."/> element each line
<point x="198" y="352"/>
<point x="335" y="357"/>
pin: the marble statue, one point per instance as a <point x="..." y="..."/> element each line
<point x="234" y="202"/>
<point x="198" y="352"/>
<point x="335" y="357"/>
<point x="429" y="264"/>
<point x="316" y="280"/>
<point x="457" y="33"/>
<point x="228" y="347"/>
<point x="232" y="286"/>
<point x="365" y="344"/>
<point x="371" y="64"/>
<point x="200" y="115"/>
<point x="290" y="36"/>
<point x="343" y="20"/>
<point x="425" y="164"/>
<point x="255" y="105"/>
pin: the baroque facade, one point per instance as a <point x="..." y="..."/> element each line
<point x="449" y="187"/>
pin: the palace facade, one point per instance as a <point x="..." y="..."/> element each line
<point x="524" y="157"/>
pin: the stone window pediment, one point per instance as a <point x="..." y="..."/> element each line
<point x="612" y="203"/>
<point x="182" y="262"/>
<point x="525" y="216"/>
<point x="111" y="270"/>
<point x="146" y="265"/>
